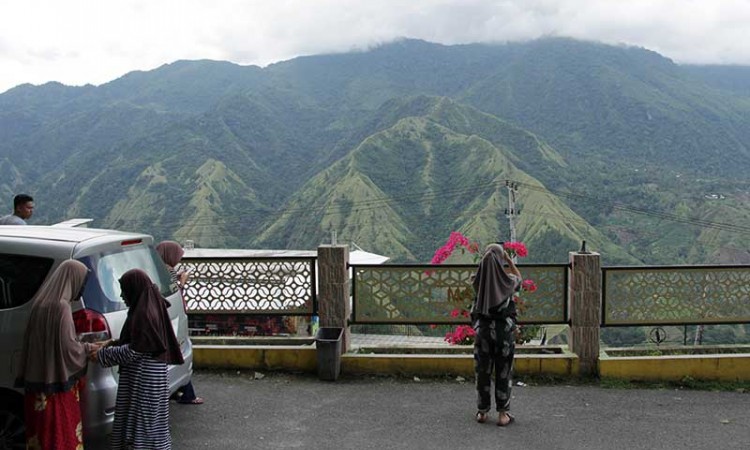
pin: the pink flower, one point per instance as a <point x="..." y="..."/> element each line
<point x="455" y="239"/>
<point x="455" y="313"/>
<point x="528" y="285"/>
<point x="458" y="238"/>
<point x="516" y="248"/>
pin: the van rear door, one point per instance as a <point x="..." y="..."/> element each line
<point x="20" y="277"/>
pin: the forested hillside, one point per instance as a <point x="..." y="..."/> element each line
<point x="396" y="147"/>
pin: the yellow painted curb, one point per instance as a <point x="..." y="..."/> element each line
<point x="558" y="365"/>
<point x="724" y="367"/>
<point x="394" y="364"/>
<point x="304" y="359"/>
<point x="271" y="357"/>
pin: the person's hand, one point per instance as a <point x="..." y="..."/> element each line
<point x="507" y="257"/>
<point x="93" y="352"/>
<point x="106" y="343"/>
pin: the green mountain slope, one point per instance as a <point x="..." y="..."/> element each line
<point x="618" y="145"/>
<point x="404" y="189"/>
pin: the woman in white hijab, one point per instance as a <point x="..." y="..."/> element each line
<point x="53" y="363"/>
<point x="493" y="317"/>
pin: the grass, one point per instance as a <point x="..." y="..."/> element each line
<point x="667" y="351"/>
<point x="686" y="383"/>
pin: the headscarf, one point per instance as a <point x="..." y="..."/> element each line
<point x="147" y="328"/>
<point x="53" y="360"/>
<point x="493" y="286"/>
<point x="171" y="252"/>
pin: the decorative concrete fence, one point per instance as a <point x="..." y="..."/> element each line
<point x="580" y="294"/>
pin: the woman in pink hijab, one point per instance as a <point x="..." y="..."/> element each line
<point x="53" y="363"/>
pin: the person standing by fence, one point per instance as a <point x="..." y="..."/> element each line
<point x="493" y="317"/>
<point x="171" y="253"/>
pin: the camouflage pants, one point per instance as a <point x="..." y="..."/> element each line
<point x="494" y="347"/>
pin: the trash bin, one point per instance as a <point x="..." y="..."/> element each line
<point x="328" y="345"/>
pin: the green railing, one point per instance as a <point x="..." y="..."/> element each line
<point x="667" y="295"/>
<point x="427" y="294"/>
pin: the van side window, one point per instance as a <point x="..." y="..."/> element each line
<point x="20" y="277"/>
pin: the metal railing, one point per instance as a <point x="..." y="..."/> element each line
<point x="427" y="294"/>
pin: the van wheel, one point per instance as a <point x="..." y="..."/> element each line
<point x="12" y="429"/>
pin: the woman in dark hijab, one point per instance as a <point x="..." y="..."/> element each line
<point x="53" y="364"/>
<point x="171" y="253"/>
<point x="493" y="317"/>
<point x="146" y="346"/>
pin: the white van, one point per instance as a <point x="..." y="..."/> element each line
<point x="28" y="254"/>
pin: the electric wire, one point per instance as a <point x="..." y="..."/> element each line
<point x="331" y="208"/>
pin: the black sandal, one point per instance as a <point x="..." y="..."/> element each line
<point x="481" y="417"/>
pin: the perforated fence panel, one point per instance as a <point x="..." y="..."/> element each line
<point x="675" y="295"/>
<point x="429" y="294"/>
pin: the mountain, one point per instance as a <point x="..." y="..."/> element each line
<point x="400" y="187"/>
<point x="395" y="147"/>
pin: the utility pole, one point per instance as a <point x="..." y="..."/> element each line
<point x="512" y="212"/>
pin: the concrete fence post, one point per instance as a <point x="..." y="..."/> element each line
<point x="585" y="310"/>
<point x="333" y="289"/>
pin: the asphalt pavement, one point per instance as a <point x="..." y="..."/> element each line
<point x="249" y="410"/>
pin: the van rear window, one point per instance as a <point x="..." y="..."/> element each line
<point x="20" y="277"/>
<point x="102" y="292"/>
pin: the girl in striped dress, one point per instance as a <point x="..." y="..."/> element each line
<point x="146" y="346"/>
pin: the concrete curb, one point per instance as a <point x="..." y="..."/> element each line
<point x="723" y="367"/>
<point x="304" y="359"/>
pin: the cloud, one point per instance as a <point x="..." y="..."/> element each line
<point x="78" y="42"/>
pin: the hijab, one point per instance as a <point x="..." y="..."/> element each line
<point x="170" y="252"/>
<point x="53" y="360"/>
<point x="148" y="328"/>
<point x="493" y="286"/>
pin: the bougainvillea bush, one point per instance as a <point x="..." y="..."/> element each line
<point x="464" y="334"/>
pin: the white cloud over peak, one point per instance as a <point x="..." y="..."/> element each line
<point x="84" y="41"/>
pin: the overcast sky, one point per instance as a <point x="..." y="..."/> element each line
<point x="95" y="41"/>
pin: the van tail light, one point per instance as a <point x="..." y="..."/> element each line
<point x="91" y="326"/>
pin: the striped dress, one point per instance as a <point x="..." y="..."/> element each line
<point x="142" y="408"/>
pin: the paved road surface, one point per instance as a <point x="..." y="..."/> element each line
<point x="298" y="411"/>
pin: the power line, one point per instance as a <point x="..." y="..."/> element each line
<point x="423" y="197"/>
<point x="332" y="209"/>
<point x="643" y="211"/>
